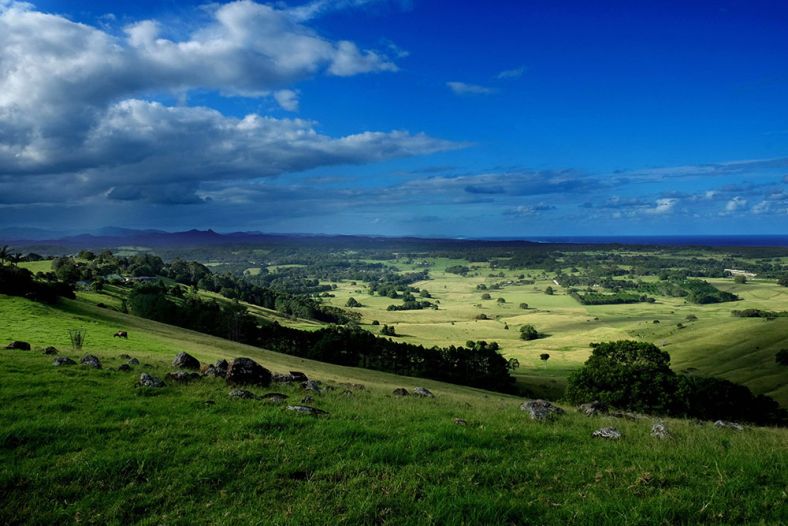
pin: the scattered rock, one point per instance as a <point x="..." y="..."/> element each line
<point x="311" y="385"/>
<point x="307" y="410"/>
<point x="610" y="433"/>
<point x="276" y="398"/>
<point x="63" y="360"/>
<point x="356" y="387"/>
<point x="50" y="350"/>
<point x="242" y="394"/>
<point x="147" y="380"/>
<point x="423" y="392"/>
<point x="593" y="408"/>
<point x="218" y="369"/>
<point x="307" y="400"/>
<point x="347" y="392"/>
<point x="183" y="376"/>
<point x="660" y="430"/>
<point x="281" y="378"/>
<point x="400" y="391"/>
<point x="125" y="356"/>
<point x="298" y="376"/>
<point x="460" y="422"/>
<point x="184" y="360"/>
<point x="124" y="367"/>
<point x="91" y="361"/>
<point x="541" y="409"/>
<point x="133" y="361"/>
<point x="209" y="402"/>
<point x="19" y="346"/>
<point x="731" y="425"/>
<point x="245" y="371"/>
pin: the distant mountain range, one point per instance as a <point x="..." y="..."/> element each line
<point x="112" y="237"/>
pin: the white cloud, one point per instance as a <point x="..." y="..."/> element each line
<point x="664" y="206"/>
<point x="735" y="204"/>
<point x="73" y="109"/>
<point x="462" y="88"/>
<point x="287" y="99"/>
<point x="511" y="73"/>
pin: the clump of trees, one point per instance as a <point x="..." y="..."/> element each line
<point x="388" y="330"/>
<point x="15" y="281"/>
<point x="781" y="357"/>
<point x="353" y="303"/>
<point x="528" y="332"/>
<point x="637" y="376"/>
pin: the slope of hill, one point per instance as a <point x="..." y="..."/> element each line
<point x="84" y="445"/>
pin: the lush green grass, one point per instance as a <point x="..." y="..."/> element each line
<point x="81" y="445"/>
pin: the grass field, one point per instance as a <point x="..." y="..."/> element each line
<point x="80" y="445"/>
<point x="741" y="350"/>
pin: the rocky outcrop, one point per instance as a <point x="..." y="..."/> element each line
<point x="541" y="410"/>
<point x="245" y="371"/>
<point x="184" y="360"/>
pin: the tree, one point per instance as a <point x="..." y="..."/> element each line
<point x="486" y="296"/>
<point x="740" y="279"/>
<point x="513" y="364"/>
<point x="626" y="374"/>
<point x="528" y="332"/>
<point x="783" y="280"/>
<point x="4" y="253"/>
<point x="501" y="300"/>
<point x="524" y="306"/>
<point x="544" y="356"/>
<point x="549" y="290"/>
<point x="352" y="302"/>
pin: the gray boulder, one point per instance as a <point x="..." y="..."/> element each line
<point x="460" y="422"/>
<point x="242" y="394"/>
<point x="147" y="380"/>
<point x="218" y="369"/>
<point x="91" y="361"/>
<point x="400" y="391"/>
<point x="541" y="410"/>
<point x="298" y="376"/>
<point x="184" y="360"/>
<point x="245" y="371"/>
<point x="307" y="400"/>
<point x="19" y="346"/>
<point x="274" y="398"/>
<point x="609" y="433"/>
<point x="423" y="392"/>
<point x="593" y="408"/>
<point x="63" y="360"/>
<point x="660" y="430"/>
<point x="305" y="409"/>
<point x="133" y="361"/>
<point x="50" y="350"/>
<point x="311" y="385"/>
<point x="124" y="367"/>
<point x="729" y="425"/>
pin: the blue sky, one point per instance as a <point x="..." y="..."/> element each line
<point x="417" y="117"/>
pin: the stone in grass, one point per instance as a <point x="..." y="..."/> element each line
<point x="660" y="430"/>
<point x="610" y="433"/>
<point x="19" y="346"/>
<point x="460" y="422"/>
<point x="305" y="409"/>
<point x="133" y="361"/>
<point x="274" y="398"/>
<point x="423" y="392"/>
<point x="50" y="350"/>
<point x="307" y="400"/>
<point x="124" y="367"/>
<point x="730" y="425"/>
<point x="218" y="369"/>
<point x="63" y="360"/>
<point x="242" y="394"/>
<point x="298" y="376"/>
<point x="91" y="361"/>
<point x="311" y="385"/>
<point x="124" y="356"/>
<point x="183" y="376"/>
<point x="184" y="360"/>
<point x="146" y="380"/>
<point x="245" y="371"/>
<point x="541" y="410"/>
<point x="400" y="391"/>
<point x="593" y="408"/>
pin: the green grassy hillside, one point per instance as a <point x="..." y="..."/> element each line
<point x="79" y="445"/>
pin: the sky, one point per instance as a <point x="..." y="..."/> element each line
<point x="396" y="117"/>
